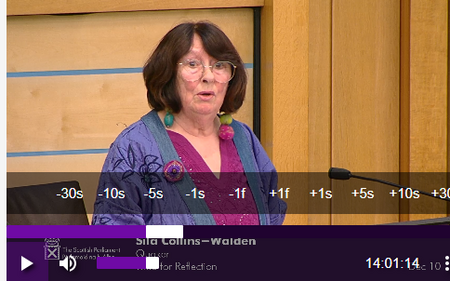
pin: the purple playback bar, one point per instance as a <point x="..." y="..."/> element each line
<point x="129" y="263"/>
<point x="94" y="232"/>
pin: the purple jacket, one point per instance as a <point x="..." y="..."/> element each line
<point x="132" y="176"/>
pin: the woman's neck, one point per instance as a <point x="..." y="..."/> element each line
<point x="196" y="126"/>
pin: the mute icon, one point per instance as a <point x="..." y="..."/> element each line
<point x="69" y="263"/>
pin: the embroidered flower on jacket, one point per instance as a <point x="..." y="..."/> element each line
<point x="147" y="171"/>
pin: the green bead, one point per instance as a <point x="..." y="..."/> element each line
<point x="168" y="120"/>
<point x="226" y="119"/>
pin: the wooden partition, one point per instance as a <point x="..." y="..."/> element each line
<point x="428" y="98"/>
<point x="358" y="84"/>
<point x="75" y="81"/>
<point x="374" y="97"/>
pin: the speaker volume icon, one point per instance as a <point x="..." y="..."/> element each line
<point x="69" y="263"/>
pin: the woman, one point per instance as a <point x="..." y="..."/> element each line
<point x="187" y="161"/>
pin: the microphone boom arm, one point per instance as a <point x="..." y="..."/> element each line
<point x="344" y="174"/>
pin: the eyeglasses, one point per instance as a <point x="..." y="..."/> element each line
<point x="193" y="70"/>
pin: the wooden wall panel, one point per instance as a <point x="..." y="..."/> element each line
<point x="245" y="113"/>
<point x="72" y="112"/>
<point x="448" y="108"/>
<point x="57" y="117"/>
<point x="285" y="89"/>
<point x="76" y="112"/>
<point x="319" y="153"/>
<point x="57" y="163"/>
<point x="267" y="79"/>
<point x="286" y="92"/>
<point x="30" y="7"/>
<point x="428" y="100"/>
<point x="405" y="46"/>
<point x="365" y="96"/>
<point x="109" y="40"/>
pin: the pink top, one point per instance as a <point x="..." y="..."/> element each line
<point x="221" y="196"/>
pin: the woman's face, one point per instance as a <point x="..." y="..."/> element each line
<point x="205" y="95"/>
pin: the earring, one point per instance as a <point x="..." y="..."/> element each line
<point x="168" y="119"/>
<point x="226" y="132"/>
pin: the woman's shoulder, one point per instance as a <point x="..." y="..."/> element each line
<point x="248" y="133"/>
<point x="135" y="132"/>
<point x="262" y="160"/>
<point x="137" y="138"/>
<point x="245" y="128"/>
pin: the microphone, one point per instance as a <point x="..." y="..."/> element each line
<point x="338" y="173"/>
<point x="344" y="174"/>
